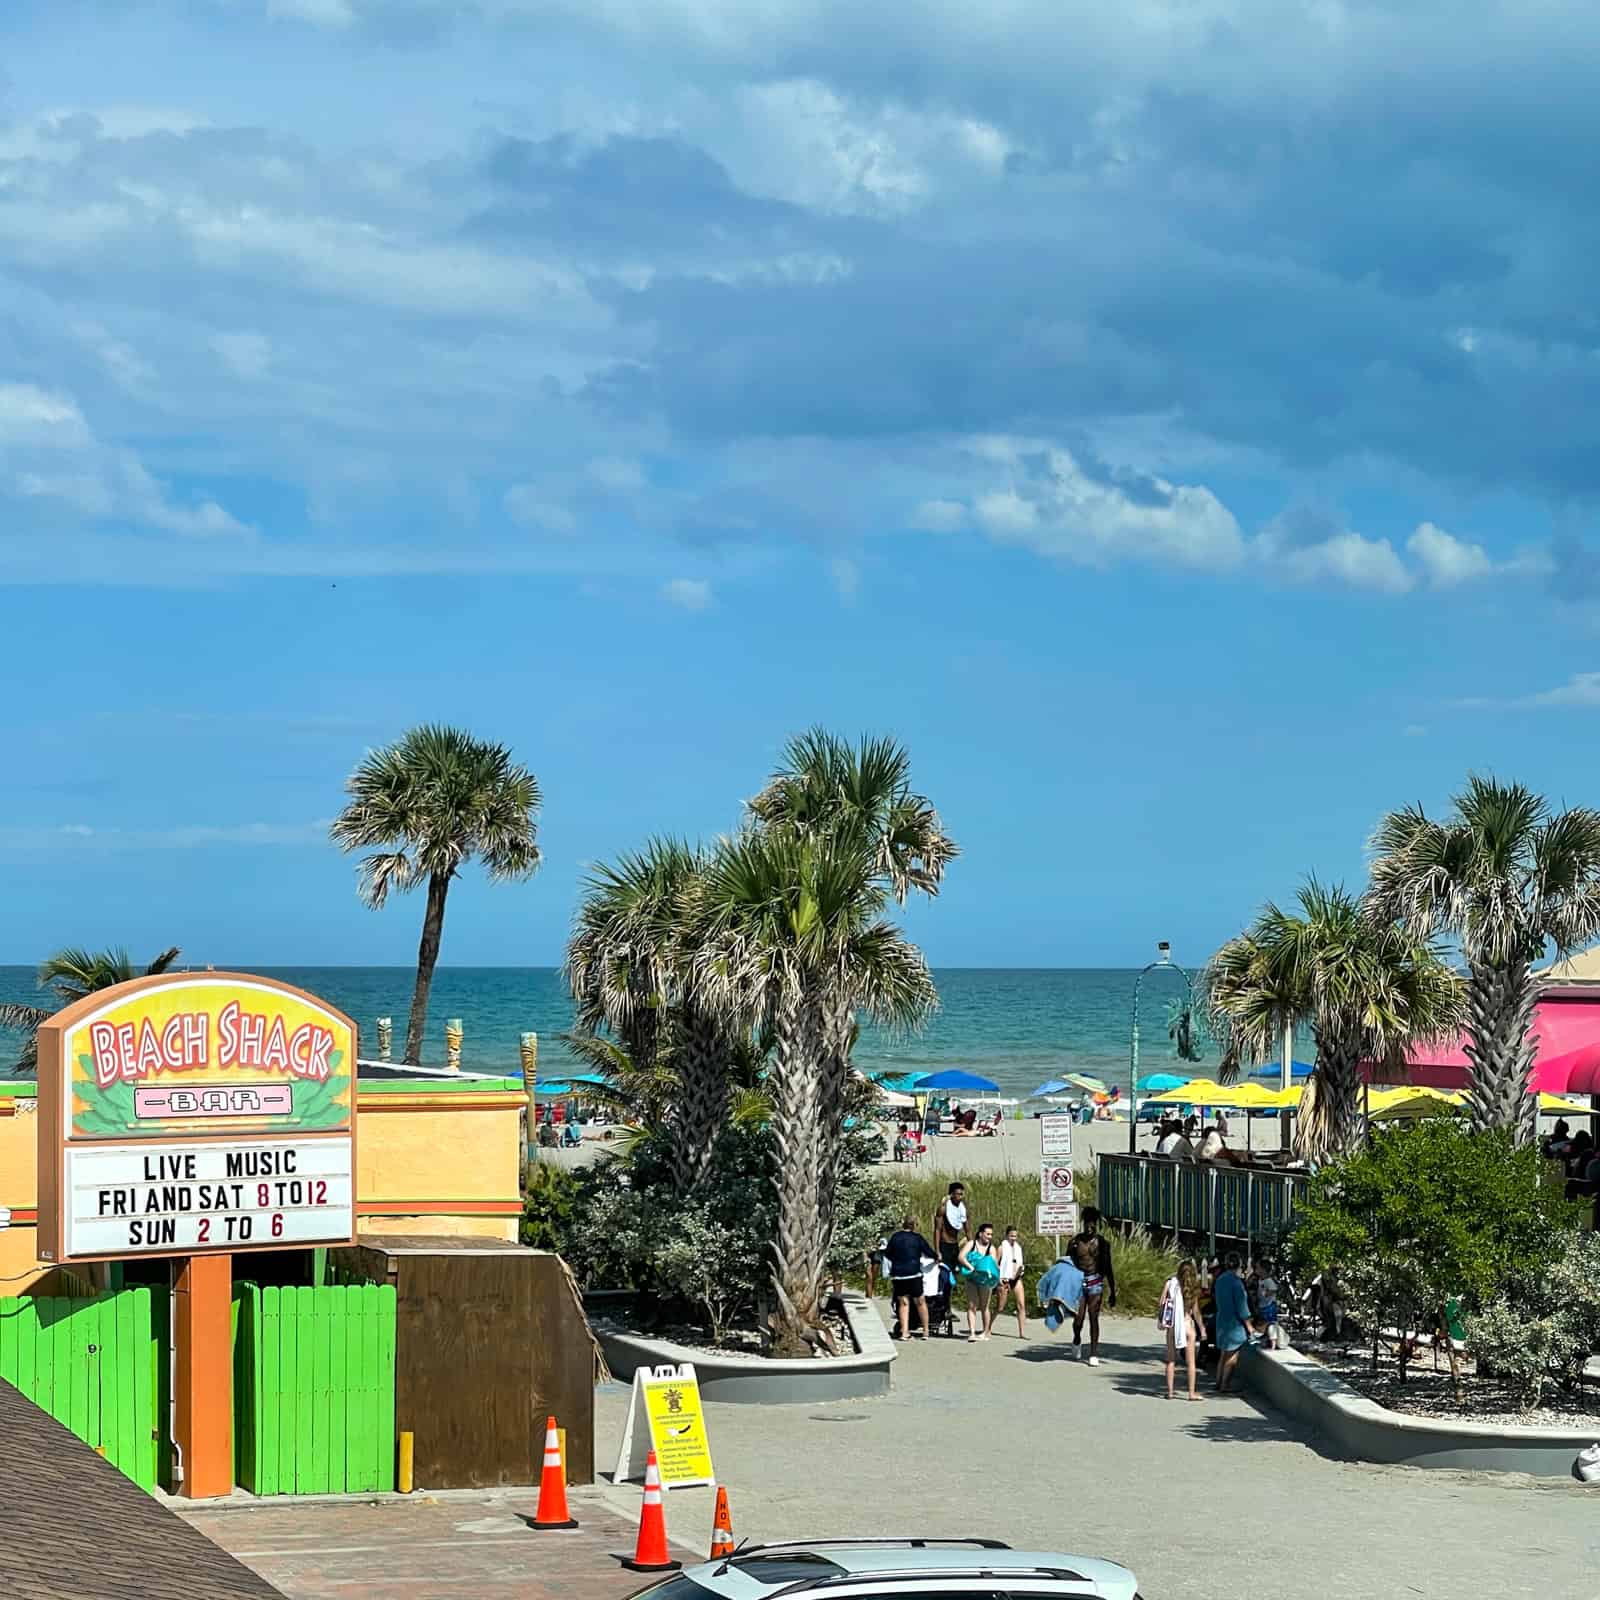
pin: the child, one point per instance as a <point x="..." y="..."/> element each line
<point x="1267" y="1305"/>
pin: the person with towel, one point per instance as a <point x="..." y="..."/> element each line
<point x="1180" y="1306"/>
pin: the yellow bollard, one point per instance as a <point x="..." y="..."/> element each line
<point x="407" y="1452"/>
<point x="561" y="1434"/>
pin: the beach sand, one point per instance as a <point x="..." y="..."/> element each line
<point x="1016" y="1148"/>
<point x="1018" y="1145"/>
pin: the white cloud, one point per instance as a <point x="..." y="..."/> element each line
<point x="689" y="594"/>
<point x="53" y="455"/>
<point x="1580" y="691"/>
<point x="1446" y="560"/>
<point x="80" y="836"/>
<point x="1055" y="507"/>
<point x="320" y="13"/>
<point x="1347" y="558"/>
<point x="939" y="516"/>
<point x="617" y="474"/>
<point x="526" y="503"/>
<point x="245" y="355"/>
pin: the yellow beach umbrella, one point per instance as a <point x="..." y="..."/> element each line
<point x="1208" y="1092"/>
<point x="1555" y="1105"/>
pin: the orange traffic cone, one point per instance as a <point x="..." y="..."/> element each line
<point x="552" y="1512"/>
<point x="650" y="1554"/>
<point x="721" y="1528"/>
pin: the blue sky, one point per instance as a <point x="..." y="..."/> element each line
<point x="1176" y="423"/>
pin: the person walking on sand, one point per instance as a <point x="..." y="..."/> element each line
<point x="1180" y="1307"/>
<point x="1011" y="1267"/>
<point x="1090" y="1252"/>
<point x="950" y="1225"/>
<point x="980" y="1266"/>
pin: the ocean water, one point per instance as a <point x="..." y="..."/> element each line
<point x="1017" y="1027"/>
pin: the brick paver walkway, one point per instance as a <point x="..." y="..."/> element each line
<point x="472" y="1547"/>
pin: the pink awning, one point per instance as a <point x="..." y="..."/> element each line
<point x="1566" y="1026"/>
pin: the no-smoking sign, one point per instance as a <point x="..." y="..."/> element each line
<point x="1055" y="1183"/>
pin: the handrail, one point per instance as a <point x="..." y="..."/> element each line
<point x="1197" y="1197"/>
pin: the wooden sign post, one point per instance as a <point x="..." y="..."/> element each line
<point x="196" y="1117"/>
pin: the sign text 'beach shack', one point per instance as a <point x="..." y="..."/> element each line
<point x="192" y="1114"/>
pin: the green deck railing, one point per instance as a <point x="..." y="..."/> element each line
<point x="1197" y="1197"/>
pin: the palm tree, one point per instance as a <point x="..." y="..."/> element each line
<point x="1506" y="878"/>
<point x="72" y="974"/>
<point x="792" y="925"/>
<point x="643" y="1093"/>
<point x="630" y="969"/>
<point x="1369" y="989"/>
<point x="425" y="806"/>
<point x="858" y="797"/>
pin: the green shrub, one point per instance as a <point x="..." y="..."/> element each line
<point x="549" y="1201"/>
<point x="1546" y="1325"/>
<point x="1427" y="1212"/>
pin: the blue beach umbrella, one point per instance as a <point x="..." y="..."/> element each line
<point x="565" y="1082"/>
<point x="1273" y="1070"/>
<point x="1049" y="1087"/>
<point x="954" y="1078"/>
<point x="900" y="1082"/>
<point x="1160" y="1082"/>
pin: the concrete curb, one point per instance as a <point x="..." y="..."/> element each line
<point x="1355" y="1428"/>
<point x="752" y="1380"/>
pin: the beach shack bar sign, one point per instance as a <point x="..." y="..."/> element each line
<point x="194" y="1114"/>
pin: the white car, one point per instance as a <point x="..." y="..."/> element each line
<point x="897" y="1569"/>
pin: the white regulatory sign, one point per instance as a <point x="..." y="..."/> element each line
<point x="174" y="1198"/>
<point x="1055" y="1135"/>
<point x="1056" y="1219"/>
<point x="1055" y="1182"/>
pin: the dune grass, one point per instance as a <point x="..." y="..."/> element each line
<point x="1008" y="1199"/>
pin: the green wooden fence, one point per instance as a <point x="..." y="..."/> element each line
<point x="314" y="1389"/>
<point x="98" y="1366"/>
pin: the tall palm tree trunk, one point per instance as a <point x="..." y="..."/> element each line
<point x="427" y="959"/>
<point x="832" y="1089"/>
<point x="796" y="1258"/>
<point x="1501" y="1049"/>
<point x="1331" y="1125"/>
<point x="704" y="1097"/>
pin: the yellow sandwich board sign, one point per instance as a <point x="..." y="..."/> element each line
<point x="665" y="1415"/>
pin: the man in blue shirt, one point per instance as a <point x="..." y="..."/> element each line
<point x="907" y="1250"/>
<point x="1233" y="1318"/>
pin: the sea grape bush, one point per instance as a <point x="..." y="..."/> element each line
<point x="1546" y="1324"/>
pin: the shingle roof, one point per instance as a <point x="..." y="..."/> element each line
<point x="73" y="1528"/>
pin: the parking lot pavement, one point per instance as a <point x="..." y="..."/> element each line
<point x="1017" y="1441"/>
<point x="447" y="1547"/>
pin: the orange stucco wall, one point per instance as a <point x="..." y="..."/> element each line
<point x="425" y="1163"/>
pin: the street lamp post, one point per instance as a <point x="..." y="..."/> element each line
<point x="1163" y="960"/>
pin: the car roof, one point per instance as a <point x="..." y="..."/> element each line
<point x="866" y="1559"/>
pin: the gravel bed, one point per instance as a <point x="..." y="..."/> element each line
<point x="1426" y="1393"/>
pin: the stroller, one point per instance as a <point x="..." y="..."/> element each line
<point x="938" y="1289"/>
